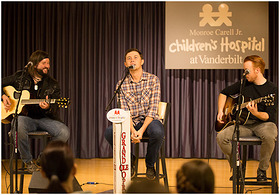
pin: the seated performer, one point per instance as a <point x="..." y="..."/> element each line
<point x="35" y="117"/>
<point x="262" y="117"/>
<point x="140" y="94"/>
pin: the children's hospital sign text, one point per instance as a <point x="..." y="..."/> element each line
<point x="215" y="35"/>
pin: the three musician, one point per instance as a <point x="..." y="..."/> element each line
<point x="35" y="79"/>
<point x="40" y="117"/>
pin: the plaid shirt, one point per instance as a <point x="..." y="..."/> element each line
<point x="141" y="98"/>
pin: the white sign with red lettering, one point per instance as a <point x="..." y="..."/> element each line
<point x="117" y="115"/>
<point x="121" y="149"/>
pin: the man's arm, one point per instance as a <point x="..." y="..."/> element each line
<point x="136" y="136"/>
<point x="5" y="99"/>
<point x="152" y="112"/>
<point x="221" y="103"/>
<point x="53" y="92"/>
<point x="253" y="108"/>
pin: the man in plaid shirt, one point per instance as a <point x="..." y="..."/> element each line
<point x="140" y="94"/>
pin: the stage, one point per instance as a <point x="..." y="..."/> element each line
<point x="101" y="171"/>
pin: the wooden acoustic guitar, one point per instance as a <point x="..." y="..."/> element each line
<point x="13" y="94"/>
<point x="231" y="107"/>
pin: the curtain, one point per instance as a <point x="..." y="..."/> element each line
<point x="86" y="42"/>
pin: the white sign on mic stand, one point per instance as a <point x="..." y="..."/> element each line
<point x="121" y="148"/>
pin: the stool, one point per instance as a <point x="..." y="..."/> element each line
<point x="245" y="141"/>
<point x="42" y="135"/>
<point x="163" y="112"/>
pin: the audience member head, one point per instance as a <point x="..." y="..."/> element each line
<point x="195" y="176"/>
<point x="145" y="186"/>
<point x="58" y="166"/>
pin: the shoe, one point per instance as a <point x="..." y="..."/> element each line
<point x="261" y="175"/>
<point x="151" y="173"/>
<point x="133" y="167"/>
<point x="38" y="161"/>
<point x="31" y="167"/>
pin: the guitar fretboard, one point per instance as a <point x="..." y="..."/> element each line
<point x="37" y="101"/>
<point x="255" y="100"/>
<point x="258" y="100"/>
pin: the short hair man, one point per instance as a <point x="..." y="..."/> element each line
<point x="140" y="94"/>
<point x="262" y="119"/>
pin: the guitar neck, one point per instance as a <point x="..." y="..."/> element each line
<point x="37" y="101"/>
<point x="258" y="100"/>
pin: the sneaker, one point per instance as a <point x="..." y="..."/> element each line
<point x="151" y="173"/>
<point x="31" y="167"/>
<point x="38" y="161"/>
<point x="261" y="175"/>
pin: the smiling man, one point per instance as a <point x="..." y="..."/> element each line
<point x="41" y="117"/>
<point x="262" y="118"/>
<point x="140" y="94"/>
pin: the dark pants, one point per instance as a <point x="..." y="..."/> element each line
<point x="154" y="131"/>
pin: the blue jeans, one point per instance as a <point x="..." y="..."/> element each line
<point x="154" y="131"/>
<point x="56" y="129"/>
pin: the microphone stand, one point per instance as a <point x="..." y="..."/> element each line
<point x="236" y="136"/>
<point x="15" y="134"/>
<point x="117" y="92"/>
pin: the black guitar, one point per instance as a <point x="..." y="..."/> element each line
<point x="231" y="107"/>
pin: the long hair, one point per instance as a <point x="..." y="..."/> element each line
<point x="36" y="57"/>
<point x="57" y="163"/>
<point x="195" y="176"/>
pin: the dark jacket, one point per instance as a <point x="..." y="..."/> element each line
<point x="48" y="86"/>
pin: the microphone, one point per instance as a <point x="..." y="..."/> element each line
<point x="246" y="72"/>
<point x="28" y="64"/>
<point x="130" y="67"/>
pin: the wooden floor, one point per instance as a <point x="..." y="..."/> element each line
<point x="101" y="171"/>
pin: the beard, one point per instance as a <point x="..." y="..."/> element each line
<point x="40" y="72"/>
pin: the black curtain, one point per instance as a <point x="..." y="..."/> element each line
<point x="86" y="42"/>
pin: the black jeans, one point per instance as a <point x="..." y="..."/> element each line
<point x="154" y="131"/>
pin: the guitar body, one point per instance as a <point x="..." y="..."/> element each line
<point x="229" y="111"/>
<point x="10" y="91"/>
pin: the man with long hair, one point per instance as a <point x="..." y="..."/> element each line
<point x="43" y="116"/>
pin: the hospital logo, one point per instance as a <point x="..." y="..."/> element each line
<point x="215" y="18"/>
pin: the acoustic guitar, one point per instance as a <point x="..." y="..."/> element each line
<point x="231" y="107"/>
<point x="13" y="94"/>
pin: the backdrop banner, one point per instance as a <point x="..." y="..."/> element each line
<point x="215" y="35"/>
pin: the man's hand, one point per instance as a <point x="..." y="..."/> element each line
<point x="252" y="107"/>
<point x="220" y="117"/>
<point x="6" y="102"/>
<point x="44" y="105"/>
<point x="136" y="136"/>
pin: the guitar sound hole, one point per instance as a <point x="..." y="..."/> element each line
<point x="16" y="95"/>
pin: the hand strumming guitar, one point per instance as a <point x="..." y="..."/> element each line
<point x="6" y="102"/>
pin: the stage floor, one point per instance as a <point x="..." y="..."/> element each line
<point x="101" y="171"/>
